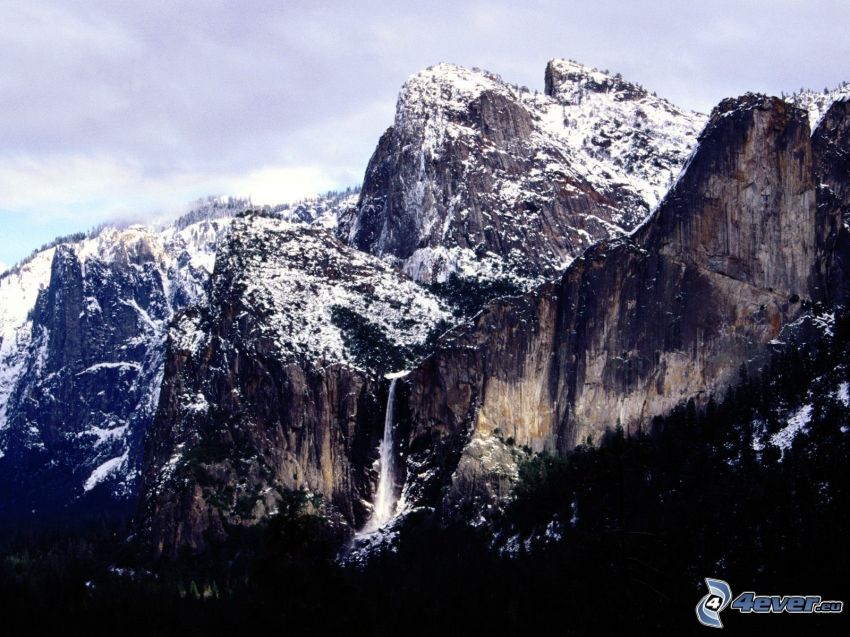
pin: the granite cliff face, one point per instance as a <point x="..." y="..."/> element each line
<point x="643" y="323"/>
<point x="273" y="386"/>
<point x="830" y="142"/>
<point x="81" y="362"/>
<point x="484" y="179"/>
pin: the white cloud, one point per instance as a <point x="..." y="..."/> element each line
<point x="97" y="187"/>
<point x="276" y="184"/>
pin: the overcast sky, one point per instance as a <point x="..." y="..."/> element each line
<point x="125" y="110"/>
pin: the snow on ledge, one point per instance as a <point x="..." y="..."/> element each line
<point x="104" y="471"/>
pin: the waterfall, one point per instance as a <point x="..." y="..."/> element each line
<point x="385" y="504"/>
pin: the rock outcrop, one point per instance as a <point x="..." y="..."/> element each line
<point x="83" y="326"/>
<point x="484" y="179"/>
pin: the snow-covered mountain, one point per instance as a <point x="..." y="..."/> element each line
<point x="83" y="328"/>
<point x="637" y="325"/>
<point x="483" y="178"/>
<point x="83" y="322"/>
<point x="83" y="325"/>
<point x="255" y="343"/>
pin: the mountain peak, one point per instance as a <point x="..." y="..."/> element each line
<point x="450" y="73"/>
<point x="747" y="102"/>
<point x="564" y="79"/>
<point x="474" y="166"/>
<point x="447" y="85"/>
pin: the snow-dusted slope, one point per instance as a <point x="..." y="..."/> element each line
<point x="18" y="293"/>
<point x="475" y="171"/>
<point x="625" y="136"/>
<point x="326" y="211"/>
<point x="307" y="286"/>
<point x="816" y="103"/>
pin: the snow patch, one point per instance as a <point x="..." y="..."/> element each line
<point x="797" y="422"/>
<point x="105" y="470"/>
<point x="842" y="394"/>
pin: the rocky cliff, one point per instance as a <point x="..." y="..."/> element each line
<point x="276" y="384"/>
<point x="830" y="142"/>
<point x="484" y="179"/>
<point x="82" y="344"/>
<point x="83" y="326"/>
<point x="643" y="323"/>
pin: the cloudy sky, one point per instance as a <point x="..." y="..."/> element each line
<point x="131" y="110"/>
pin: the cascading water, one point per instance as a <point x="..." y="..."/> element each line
<point x="385" y="503"/>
